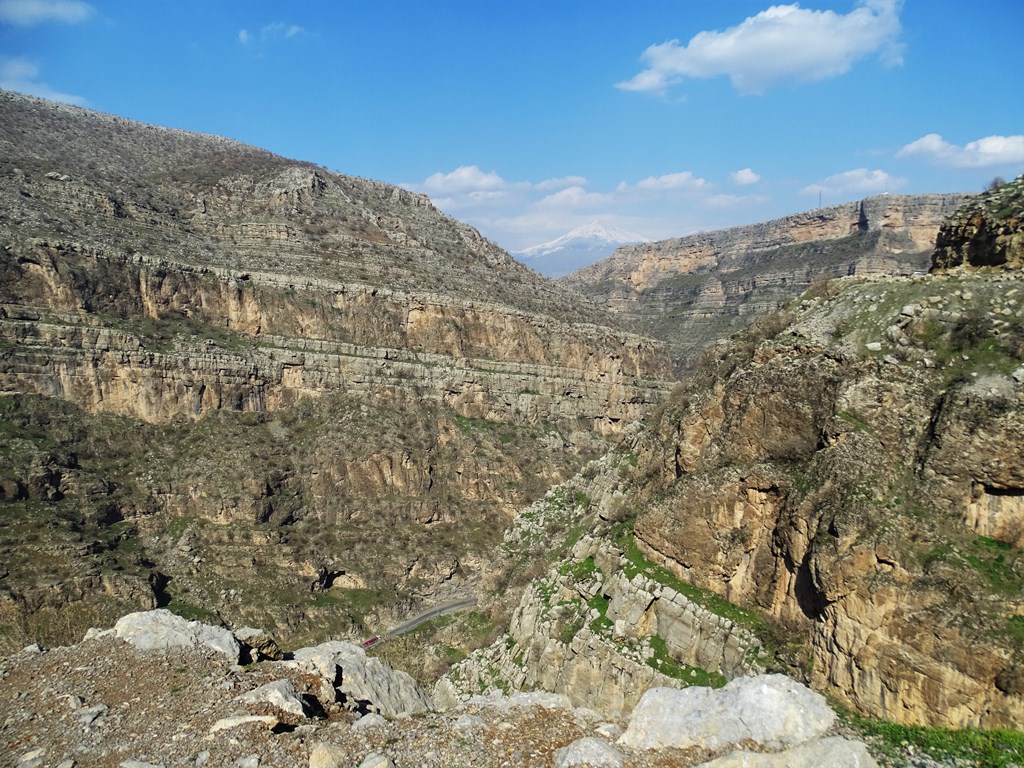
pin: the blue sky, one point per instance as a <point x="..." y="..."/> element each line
<point x="527" y="119"/>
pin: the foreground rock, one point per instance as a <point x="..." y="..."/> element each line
<point x="95" y="704"/>
<point x="161" y="630"/>
<point x="363" y="684"/>
<point x="770" y="710"/>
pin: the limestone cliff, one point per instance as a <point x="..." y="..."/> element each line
<point x="856" y="476"/>
<point x="695" y="290"/>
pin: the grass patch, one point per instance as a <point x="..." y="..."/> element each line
<point x="579" y="571"/>
<point x="602" y="623"/>
<point x="661" y="661"/>
<point x="981" y="748"/>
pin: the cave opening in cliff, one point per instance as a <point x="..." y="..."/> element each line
<point x="810" y="599"/>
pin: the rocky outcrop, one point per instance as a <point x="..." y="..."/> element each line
<point x="695" y="290"/>
<point x="603" y="625"/>
<point x="361" y="683"/>
<point x="986" y="232"/>
<point x="872" y="508"/>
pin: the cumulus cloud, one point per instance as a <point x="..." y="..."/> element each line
<point x="860" y="181"/>
<point x="683" y="180"/>
<point x="27" y="13"/>
<point x="22" y="75"/>
<point x="782" y="43"/>
<point x="518" y="214"/>
<point x="991" y="151"/>
<point x="744" y="176"/>
<point x="465" y="178"/>
<point x="573" y="197"/>
<point x="561" y="183"/>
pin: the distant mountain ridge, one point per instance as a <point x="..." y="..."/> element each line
<point x="577" y="248"/>
<point x="694" y="290"/>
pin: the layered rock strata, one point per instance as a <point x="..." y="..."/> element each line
<point x="695" y="290"/>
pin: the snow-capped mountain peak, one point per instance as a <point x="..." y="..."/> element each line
<point x="592" y="233"/>
<point x="576" y="249"/>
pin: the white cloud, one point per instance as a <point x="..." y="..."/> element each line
<point x="860" y="181"/>
<point x="669" y="182"/>
<point x="26" y="13"/>
<point x="518" y="214"/>
<point x="466" y="178"/>
<point x="22" y="75"/>
<point x="782" y="43"/>
<point x="573" y="197"/>
<point x="565" y="181"/>
<point x="744" y="176"/>
<point x="280" y="29"/>
<point x="988" y="152"/>
<point x="276" y="31"/>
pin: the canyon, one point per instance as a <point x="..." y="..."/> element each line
<point x="260" y="393"/>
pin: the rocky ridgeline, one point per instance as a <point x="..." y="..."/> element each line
<point x="157" y="690"/>
<point x="698" y="289"/>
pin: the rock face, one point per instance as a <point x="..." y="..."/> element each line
<point x="140" y="284"/>
<point x="695" y="290"/>
<point x="856" y="476"/>
<point x="989" y="232"/>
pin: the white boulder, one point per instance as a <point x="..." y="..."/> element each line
<point x="771" y="710"/>
<point x="363" y="683"/>
<point x="161" y="630"/>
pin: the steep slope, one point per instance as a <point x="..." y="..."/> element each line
<point x="695" y="290"/>
<point x="287" y="391"/>
<point x="838" y="491"/>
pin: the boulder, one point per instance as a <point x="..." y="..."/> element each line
<point x="363" y="684"/>
<point x="772" y="711"/>
<point x="324" y="755"/>
<point x="257" y="640"/>
<point x="835" y="752"/>
<point x="162" y="630"/>
<point x="279" y="694"/>
<point x="589" y="751"/>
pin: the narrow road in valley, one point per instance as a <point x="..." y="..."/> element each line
<point x="439" y="610"/>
